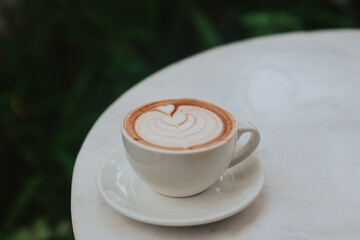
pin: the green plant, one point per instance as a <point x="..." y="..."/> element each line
<point x="63" y="62"/>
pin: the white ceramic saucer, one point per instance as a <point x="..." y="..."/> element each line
<point x="125" y="192"/>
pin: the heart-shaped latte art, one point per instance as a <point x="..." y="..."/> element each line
<point x="181" y="127"/>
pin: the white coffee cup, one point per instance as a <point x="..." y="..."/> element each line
<point x="183" y="173"/>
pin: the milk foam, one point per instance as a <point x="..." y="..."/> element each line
<point x="181" y="127"/>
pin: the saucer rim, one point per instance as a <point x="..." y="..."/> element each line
<point x="176" y="223"/>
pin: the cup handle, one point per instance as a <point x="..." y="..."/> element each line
<point x="242" y="152"/>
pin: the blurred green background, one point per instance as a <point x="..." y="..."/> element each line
<point x="63" y="62"/>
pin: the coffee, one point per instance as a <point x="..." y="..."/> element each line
<point x="180" y="124"/>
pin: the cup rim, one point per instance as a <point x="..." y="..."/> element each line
<point x="186" y="151"/>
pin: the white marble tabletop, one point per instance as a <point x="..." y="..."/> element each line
<point x="302" y="90"/>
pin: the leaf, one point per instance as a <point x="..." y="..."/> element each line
<point x="23" y="200"/>
<point x="206" y="31"/>
<point x="263" y="22"/>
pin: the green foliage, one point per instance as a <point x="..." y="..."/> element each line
<point x="40" y="229"/>
<point x="63" y="62"/>
<point x="261" y="23"/>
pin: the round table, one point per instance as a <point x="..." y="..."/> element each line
<point x="302" y="91"/>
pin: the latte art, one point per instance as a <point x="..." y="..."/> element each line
<point x="177" y="124"/>
<point x="183" y="128"/>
